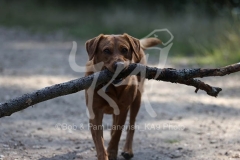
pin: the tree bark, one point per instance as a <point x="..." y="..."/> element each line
<point x="184" y="76"/>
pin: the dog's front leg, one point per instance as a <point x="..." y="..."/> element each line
<point x="97" y="135"/>
<point x="116" y="131"/>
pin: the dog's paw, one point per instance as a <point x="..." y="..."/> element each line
<point x="112" y="158"/>
<point x="112" y="155"/>
<point x="127" y="155"/>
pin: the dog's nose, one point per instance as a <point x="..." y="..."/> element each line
<point x="119" y="65"/>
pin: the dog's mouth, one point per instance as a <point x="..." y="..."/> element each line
<point x="117" y="81"/>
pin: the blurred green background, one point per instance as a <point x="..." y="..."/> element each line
<point x="205" y="31"/>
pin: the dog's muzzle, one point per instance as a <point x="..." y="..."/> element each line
<point x="120" y="66"/>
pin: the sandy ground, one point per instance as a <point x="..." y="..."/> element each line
<point x="188" y="126"/>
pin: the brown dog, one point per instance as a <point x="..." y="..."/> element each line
<point x="104" y="51"/>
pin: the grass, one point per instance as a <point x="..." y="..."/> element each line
<point x="222" y="48"/>
<point x="172" y="141"/>
<point x="206" y="39"/>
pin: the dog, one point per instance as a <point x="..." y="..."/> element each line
<point x="121" y="95"/>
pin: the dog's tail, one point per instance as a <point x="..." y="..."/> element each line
<point x="149" y="42"/>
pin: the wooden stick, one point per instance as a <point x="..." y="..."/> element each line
<point x="184" y="76"/>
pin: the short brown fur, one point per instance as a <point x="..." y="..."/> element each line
<point x="110" y="49"/>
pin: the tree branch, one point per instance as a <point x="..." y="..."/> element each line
<point x="184" y="76"/>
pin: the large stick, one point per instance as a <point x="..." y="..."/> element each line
<point x="184" y="76"/>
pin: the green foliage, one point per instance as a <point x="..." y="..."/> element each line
<point x="222" y="48"/>
<point x="172" y="141"/>
<point x="201" y="30"/>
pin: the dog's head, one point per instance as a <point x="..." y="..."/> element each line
<point x="110" y="49"/>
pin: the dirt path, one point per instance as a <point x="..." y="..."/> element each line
<point x="188" y="126"/>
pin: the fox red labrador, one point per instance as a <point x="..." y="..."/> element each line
<point x="118" y="97"/>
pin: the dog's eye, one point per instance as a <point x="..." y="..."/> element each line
<point x="124" y="50"/>
<point x="107" y="51"/>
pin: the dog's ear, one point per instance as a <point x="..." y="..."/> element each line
<point x="135" y="44"/>
<point x="91" y="46"/>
